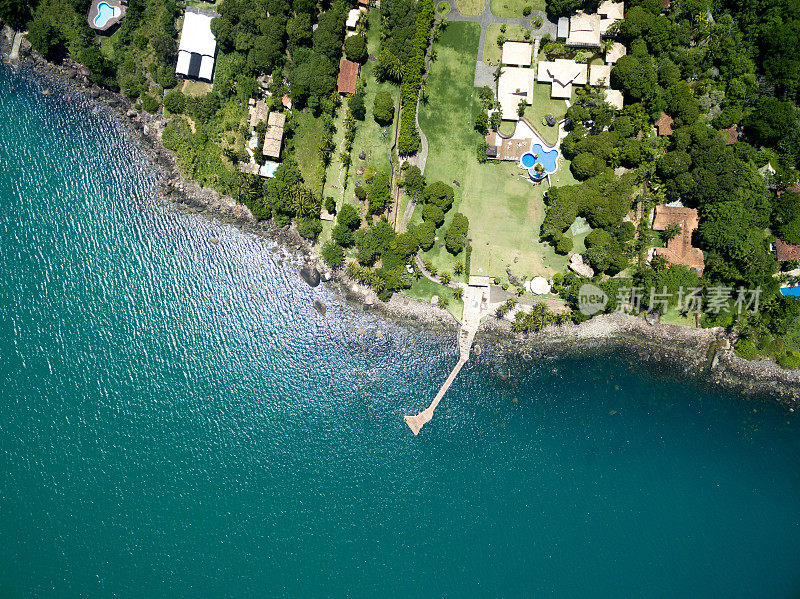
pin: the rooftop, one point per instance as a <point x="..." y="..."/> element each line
<point x="600" y="74"/>
<point x="515" y="84"/>
<point x="611" y="10"/>
<point x="258" y="111"/>
<point x="562" y="73"/>
<point x="584" y="30"/>
<point x="664" y="124"/>
<point x="731" y="134"/>
<point x="615" y="98"/>
<point x="348" y="75"/>
<point x="517" y="53"/>
<point x="352" y="18"/>
<point x="274" y="134"/>
<point x="786" y="251"/>
<point x="679" y="249"/>
<point x="615" y="52"/>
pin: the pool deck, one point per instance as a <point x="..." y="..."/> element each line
<point x="94" y="11"/>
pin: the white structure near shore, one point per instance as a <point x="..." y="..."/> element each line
<point x="198" y="46"/>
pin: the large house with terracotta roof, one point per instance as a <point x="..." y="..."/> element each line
<point x="679" y="249"/>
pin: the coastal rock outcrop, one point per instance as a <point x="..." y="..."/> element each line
<point x="310" y="275"/>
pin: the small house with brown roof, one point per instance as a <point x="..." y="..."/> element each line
<point x="664" y="124"/>
<point x="731" y="134"/>
<point x="274" y="134"/>
<point x="786" y="251"/>
<point x="679" y="249"/>
<point x="348" y="75"/>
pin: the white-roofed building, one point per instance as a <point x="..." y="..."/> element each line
<point x="198" y="47"/>
<point x="562" y="74"/>
<point x="515" y="84"/>
<point x="615" y="52"/>
<point x="614" y="97"/>
<point x="584" y="30"/>
<point x="352" y="19"/>
<point x="563" y="28"/>
<point x="600" y="74"/>
<point x="517" y="54"/>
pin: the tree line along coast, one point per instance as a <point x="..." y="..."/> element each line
<point x="710" y="124"/>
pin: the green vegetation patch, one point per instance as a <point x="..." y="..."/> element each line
<point x="492" y="51"/>
<point x="516" y="8"/>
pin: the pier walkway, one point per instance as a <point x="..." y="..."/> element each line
<point x="475" y="305"/>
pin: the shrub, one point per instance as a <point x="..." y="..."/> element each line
<point x="443" y="302"/>
<point x="333" y="254"/>
<point x="445" y="277"/>
<point x="330" y="205"/>
<point x="439" y="194"/>
<point x="383" y="110"/>
<point x="526" y="11"/>
<point x="175" y="101"/>
<point x="150" y="104"/>
<point x="563" y="244"/>
<point x="455" y="239"/>
<point x="349" y="217"/>
<point x="791" y="359"/>
<point x="746" y="349"/>
<point x="482" y="122"/>
<point x="309" y="228"/>
<point x="355" y="48"/>
<point x="481" y="151"/>
<point x="343" y="235"/>
<point x="361" y="193"/>
<point x="433" y="214"/>
<point x="425" y="233"/>
<point x="357" y="105"/>
<point x="536" y="22"/>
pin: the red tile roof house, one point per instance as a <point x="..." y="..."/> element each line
<point x="786" y="251"/>
<point x="664" y="124"/>
<point x="348" y="75"/>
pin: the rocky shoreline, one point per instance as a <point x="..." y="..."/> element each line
<point x="703" y="353"/>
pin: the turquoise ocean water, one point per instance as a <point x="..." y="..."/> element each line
<point x="177" y="421"/>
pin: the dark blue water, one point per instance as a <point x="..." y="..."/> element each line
<point x="178" y="421"/>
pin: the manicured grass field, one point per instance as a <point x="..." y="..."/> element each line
<point x="470" y="7"/>
<point x="504" y="208"/>
<point x="306" y="138"/>
<point x="491" y="51"/>
<point x="513" y="8"/>
<point x="443" y="8"/>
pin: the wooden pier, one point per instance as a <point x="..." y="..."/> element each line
<point x="475" y="298"/>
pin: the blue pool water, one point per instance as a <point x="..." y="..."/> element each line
<point x="790" y="292"/>
<point x="105" y="12"/>
<point x="547" y="158"/>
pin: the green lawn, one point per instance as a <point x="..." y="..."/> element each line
<point x="443" y="8"/>
<point x="470" y="7"/>
<point x="424" y="289"/>
<point x="543" y="105"/>
<point x="306" y="139"/>
<point x="491" y="51"/>
<point x="513" y="8"/>
<point x="504" y="208"/>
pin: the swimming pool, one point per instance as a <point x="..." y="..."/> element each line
<point x="539" y="155"/>
<point x="790" y="292"/>
<point x="105" y="12"/>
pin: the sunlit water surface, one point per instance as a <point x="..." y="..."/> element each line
<point x="178" y="421"/>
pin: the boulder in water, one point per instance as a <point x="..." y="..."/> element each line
<point x="320" y="307"/>
<point x="310" y="275"/>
